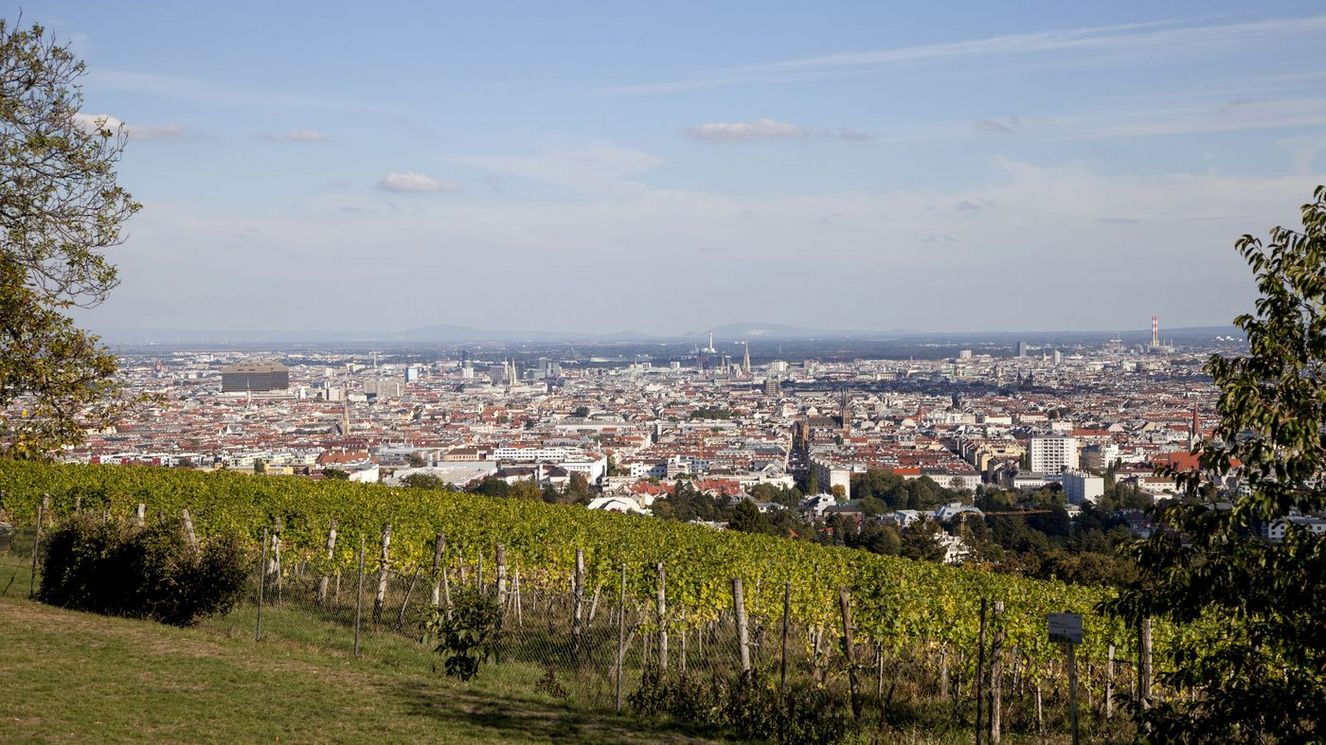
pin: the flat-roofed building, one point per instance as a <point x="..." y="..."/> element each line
<point x="257" y="377"/>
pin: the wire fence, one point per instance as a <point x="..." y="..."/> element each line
<point x="599" y="647"/>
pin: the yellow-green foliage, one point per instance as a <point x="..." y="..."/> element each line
<point x="899" y="602"/>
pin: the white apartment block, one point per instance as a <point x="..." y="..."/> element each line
<point x="1054" y="454"/>
<point x="1082" y="487"/>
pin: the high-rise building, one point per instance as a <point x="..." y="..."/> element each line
<point x="1053" y="454"/>
<point x="1023" y="348"/>
<point x="745" y="360"/>
<point x="254" y="377"/>
<point x="771" y="387"/>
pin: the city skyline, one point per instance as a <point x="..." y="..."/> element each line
<point x="1065" y="168"/>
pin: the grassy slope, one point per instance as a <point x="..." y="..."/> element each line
<point x="76" y="677"/>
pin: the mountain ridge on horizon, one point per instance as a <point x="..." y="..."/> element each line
<point x="725" y="333"/>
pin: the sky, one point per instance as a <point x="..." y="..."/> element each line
<point x="671" y="167"/>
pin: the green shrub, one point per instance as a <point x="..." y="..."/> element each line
<point x="141" y="572"/>
<point x="467" y="635"/>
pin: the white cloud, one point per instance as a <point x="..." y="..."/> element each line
<point x="98" y="122"/>
<point x="760" y="129"/>
<point x="410" y="181"/>
<point x="903" y="248"/>
<point x="298" y="135"/>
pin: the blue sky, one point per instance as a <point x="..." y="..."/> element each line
<point x="674" y="166"/>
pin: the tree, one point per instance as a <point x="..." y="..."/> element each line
<point x="578" y="485"/>
<point x="877" y="538"/>
<point x="747" y="518"/>
<point x="525" y="489"/>
<point x="60" y="207"/>
<point x="416" y="460"/>
<point x="423" y="481"/>
<point x="921" y="541"/>
<point x="1252" y="660"/>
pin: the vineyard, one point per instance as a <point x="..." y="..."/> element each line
<point x="927" y="614"/>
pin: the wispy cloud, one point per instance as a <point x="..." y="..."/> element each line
<point x="411" y="181"/>
<point x="597" y="167"/>
<point x="766" y="129"/>
<point x="298" y="135"/>
<point x="1150" y="39"/>
<point x="213" y="93"/>
<point x="99" y="122"/>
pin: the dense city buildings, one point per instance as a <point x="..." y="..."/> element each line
<point x="971" y="420"/>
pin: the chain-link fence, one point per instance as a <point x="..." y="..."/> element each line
<point x="601" y="647"/>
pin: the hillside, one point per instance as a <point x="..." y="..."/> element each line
<point x="915" y="624"/>
<point x="75" y="677"/>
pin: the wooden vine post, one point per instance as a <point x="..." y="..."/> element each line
<point x="1109" y="682"/>
<point x="849" y="649"/>
<point x="42" y="507"/>
<point x="359" y="594"/>
<point x="662" y="603"/>
<point x="262" y="583"/>
<point x="621" y="640"/>
<point x="380" y="599"/>
<point x="1144" y="663"/>
<point x="189" y="535"/>
<point x="501" y="585"/>
<point x="326" y="575"/>
<point x="577" y="602"/>
<point x="439" y="548"/>
<point x="782" y="655"/>
<point x="743" y="633"/>
<point x="996" y="672"/>
<point x="980" y="673"/>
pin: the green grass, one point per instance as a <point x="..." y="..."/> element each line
<point x="78" y="677"/>
<point x="67" y="676"/>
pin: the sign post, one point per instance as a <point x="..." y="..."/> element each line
<point x="1066" y="629"/>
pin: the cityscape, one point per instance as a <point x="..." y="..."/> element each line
<point x="836" y="373"/>
<point x="724" y="416"/>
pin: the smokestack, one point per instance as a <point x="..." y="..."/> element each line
<point x="1155" y="331"/>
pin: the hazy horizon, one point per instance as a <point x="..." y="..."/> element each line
<point x="596" y="168"/>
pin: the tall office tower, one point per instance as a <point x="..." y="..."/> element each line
<point x="745" y="360"/>
<point x="1023" y="348"/>
<point x="258" y="377"/>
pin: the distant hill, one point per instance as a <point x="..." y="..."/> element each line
<point x="725" y="334"/>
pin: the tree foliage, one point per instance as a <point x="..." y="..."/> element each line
<point x="1253" y="655"/>
<point x="60" y="207"/>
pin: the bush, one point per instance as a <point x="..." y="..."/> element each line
<point x="141" y="572"/>
<point x="467" y="635"/>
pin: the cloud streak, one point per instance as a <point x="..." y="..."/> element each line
<point x="766" y="129"/>
<point x="1151" y="39"/>
<point x="296" y="136"/>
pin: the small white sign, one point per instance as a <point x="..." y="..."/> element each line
<point x="1065" y="628"/>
